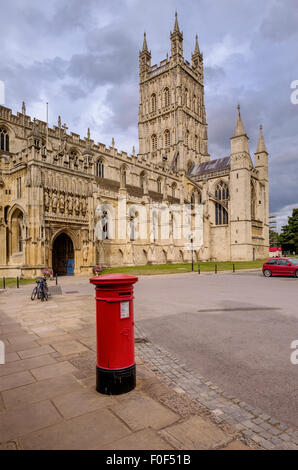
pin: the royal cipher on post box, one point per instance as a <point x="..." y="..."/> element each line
<point x="115" y="369"/>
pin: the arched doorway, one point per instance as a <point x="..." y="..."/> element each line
<point x="63" y="255"/>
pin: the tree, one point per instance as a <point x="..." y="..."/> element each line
<point x="289" y="234"/>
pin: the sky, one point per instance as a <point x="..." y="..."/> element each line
<point x="81" y="56"/>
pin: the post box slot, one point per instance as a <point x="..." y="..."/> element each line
<point x="123" y="293"/>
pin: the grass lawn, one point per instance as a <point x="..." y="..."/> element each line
<point x="12" y="282"/>
<point x="185" y="268"/>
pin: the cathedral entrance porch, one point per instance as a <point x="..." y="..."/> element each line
<point x="63" y="259"/>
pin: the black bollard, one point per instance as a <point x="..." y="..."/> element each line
<point x="56" y="279"/>
<point x="18" y="282"/>
<point x="199" y="269"/>
<point x="216" y="269"/>
<point x="3" y="282"/>
<point x="233" y="267"/>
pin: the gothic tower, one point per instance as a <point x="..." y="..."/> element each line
<point x="172" y="117"/>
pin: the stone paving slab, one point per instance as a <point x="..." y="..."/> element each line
<point x="69" y="347"/>
<point x="26" y="364"/>
<point x="79" y="402"/>
<point x="15" y="380"/>
<point x="53" y="370"/>
<point x="195" y="433"/>
<point x="16" y="423"/>
<point x="34" y="352"/>
<point x="140" y="411"/>
<point x="21" y="397"/>
<point x="146" y="439"/>
<point x="91" y="431"/>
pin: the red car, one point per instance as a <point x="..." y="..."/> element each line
<point x="281" y="267"/>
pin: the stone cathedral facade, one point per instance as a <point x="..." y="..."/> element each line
<point x="69" y="203"/>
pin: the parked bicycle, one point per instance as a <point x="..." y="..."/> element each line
<point x="40" y="290"/>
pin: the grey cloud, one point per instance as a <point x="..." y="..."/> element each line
<point x="281" y="22"/>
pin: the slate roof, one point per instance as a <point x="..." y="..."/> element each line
<point x="209" y="167"/>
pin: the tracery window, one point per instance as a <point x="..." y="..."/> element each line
<point x="159" y="185"/>
<point x="167" y="97"/>
<point x="100" y="169"/>
<point x="222" y="194"/>
<point x="123" y="176"/>
<point x="167" y="138"/>
<point x="187" y="138"/>
<point x="154" y="142"/>
<point x="153" y="103"/>
<point x="4" y="140"/>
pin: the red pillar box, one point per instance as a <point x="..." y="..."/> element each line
<point x="116" y="368"/>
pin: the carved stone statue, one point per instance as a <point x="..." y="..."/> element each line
<point x="77" y="206"/>
<point x="46" y="200"/>
<point x="85" y="253"/>
<point x="54" y="201"/>
<point x="69" y="204"/>
<point x="61" y="203"/>
<point x="83" y="206"/>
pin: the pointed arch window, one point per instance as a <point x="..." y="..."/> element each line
<point x="194" y="104"/>
<point x="221" y="213"/>
<point x="186" y="97"/>
<point x="174" y="188"/>
<point x="142" y="180"/>
<point x="253" y="202"/>
<point x="99" y="170"/>
<point x="196" y="143"/>
<point x="4" y="140"/>
<point x="123" y="176"/>
<point x="105" y="226"/>
<point x="167" y="97"/>
<point x="154" y="142"/>
<point x="167" y="138"/>
<point x="153" y="103"/>
<point x="187" y="138"/>
<point x="159" y="185"/>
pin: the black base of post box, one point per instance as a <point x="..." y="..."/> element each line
<point x="115" y="381"/>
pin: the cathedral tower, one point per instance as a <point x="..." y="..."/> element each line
<point x="172" y="117"/>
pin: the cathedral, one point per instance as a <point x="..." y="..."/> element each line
<point x="69" y="203"/>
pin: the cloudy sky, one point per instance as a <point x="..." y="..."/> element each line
<point x="82" y="57"/>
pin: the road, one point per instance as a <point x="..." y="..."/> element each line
<point x="234" y="329"/>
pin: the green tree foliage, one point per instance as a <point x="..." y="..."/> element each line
<point x="289" y="234"/>
<point x="274" y="238"/>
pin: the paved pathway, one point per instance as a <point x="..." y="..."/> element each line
<point x="47" y="387"/>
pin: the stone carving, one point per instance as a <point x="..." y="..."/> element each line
<point x="85" y="253"/>
<point x="77" y="205"/>
<point x="83" y="206"/>
<point x="69" y="204"/>
<point x="54" y="201"/>
<point x="61" y="203"/>
<point x="46" y="200"/>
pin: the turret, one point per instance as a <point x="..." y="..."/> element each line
<point x="239" y="141"/>
<point x="176" y="41"/>
<point x="261" y="154"/>
<point x="144" y="59"/>
<point x="197" y="57"/>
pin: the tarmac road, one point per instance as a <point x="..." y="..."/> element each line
<point x="234" y="329"/>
